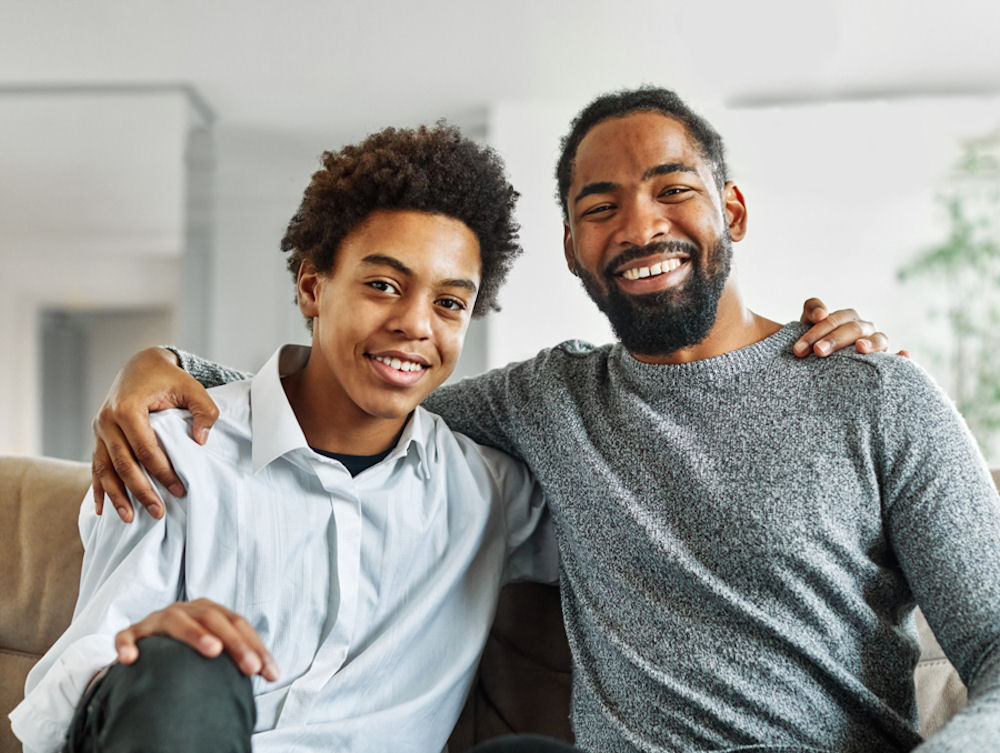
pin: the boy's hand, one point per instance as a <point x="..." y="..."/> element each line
<point x="207" y="627"/>
<point x="831" y="332"/>
<point x="150" y="381"/>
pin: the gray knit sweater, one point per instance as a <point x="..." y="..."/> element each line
<point x="743" y="540"/>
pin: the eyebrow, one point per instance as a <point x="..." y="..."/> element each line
<point x="607" y="186"/>
<point x="391" y="261"/>
<point x="667" y="168"/>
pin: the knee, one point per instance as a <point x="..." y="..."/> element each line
<point x="169" y="669"/>
<point x="143" y="702"/>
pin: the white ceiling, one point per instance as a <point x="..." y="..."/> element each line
<point x="353" y="66"/>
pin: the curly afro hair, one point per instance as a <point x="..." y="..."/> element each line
<point x="434" y="170"/>
<point x="625" y="102"/>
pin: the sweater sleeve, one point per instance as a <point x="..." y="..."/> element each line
<point x="490" y="408"/>
<point x="943" y="518"/>
<point x="208" y="373"/>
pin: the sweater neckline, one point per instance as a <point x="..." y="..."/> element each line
<point x="725" y="366"/>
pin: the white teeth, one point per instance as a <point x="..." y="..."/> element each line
<point x="660" y="268"/>
<point x="398" y="364"/>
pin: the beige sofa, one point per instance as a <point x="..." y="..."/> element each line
<point x="524" y="677"/>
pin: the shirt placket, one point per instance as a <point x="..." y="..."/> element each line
<point x="335" y="644"/>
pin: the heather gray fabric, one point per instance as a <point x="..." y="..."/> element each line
<point x="743" y="540"/>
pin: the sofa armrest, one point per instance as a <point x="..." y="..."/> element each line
<point x="40" y="556"/>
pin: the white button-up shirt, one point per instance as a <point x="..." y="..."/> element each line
<point x="374" y="593"/>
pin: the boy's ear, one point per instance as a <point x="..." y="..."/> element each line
<point x="307" y="290"/>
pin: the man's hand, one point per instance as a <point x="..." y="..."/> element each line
<point x="150" y="381"/>
<point x="831" y="332"/>
<point x="209" y="629"/>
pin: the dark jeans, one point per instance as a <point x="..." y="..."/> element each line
<point x="170" y="699"/>
<point x="524" y="744"/>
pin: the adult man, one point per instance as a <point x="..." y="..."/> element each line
<point x="728" y="582"/>
<point x="340" y="542"/>
<point x="742" y="534"/>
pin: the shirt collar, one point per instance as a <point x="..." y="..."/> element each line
<point x="273" y="427"/>
<point x="416" y="435"/>
<point x="276" y="432"/>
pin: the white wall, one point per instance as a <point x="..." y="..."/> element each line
<point x="65" y="280"/>
<point x="259" y="179"/>
<point x="93" y="220"/>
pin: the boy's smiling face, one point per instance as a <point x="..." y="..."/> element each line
<point x="390" y="317"/>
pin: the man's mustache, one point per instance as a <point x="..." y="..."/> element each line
<point x="658" y="247"/>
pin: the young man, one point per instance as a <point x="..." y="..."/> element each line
<point x="340" y="544"/>
<point x="743" y="533"/>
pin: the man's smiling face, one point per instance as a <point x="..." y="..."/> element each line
<point x="649" y="232"/>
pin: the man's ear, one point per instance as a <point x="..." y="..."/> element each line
<point x="736" y="210"/>
<point x="568" y="249"/>
<point x="307" y="289"/>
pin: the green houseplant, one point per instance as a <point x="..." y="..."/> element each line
<point x="962" y="275"/>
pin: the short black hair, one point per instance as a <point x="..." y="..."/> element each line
<point x="435" y="170"/>
<point x="625" y="102"/>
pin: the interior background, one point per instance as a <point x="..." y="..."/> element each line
<point x="152" y="152"/>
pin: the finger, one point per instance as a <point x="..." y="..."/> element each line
<point x="241" y="643"/>
<point x="174" y="621"/>
<point x="133" y="421"/>
<point x="874" y="343"/>
<point x="269" y="670"/>
<point x="95" y="482"/>
<point x="836" y="331"/>
<point x="125" y="645"/>
<point x="844" y="335"/>
<point x="128" y="472"/>
<point x="813" y="311"/>
<point x="102" y="470"/>
<point x="204" y="413"/>
<point x="903" y="353"/>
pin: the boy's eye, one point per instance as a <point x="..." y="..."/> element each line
<point x="452" y="304"/>
<point x="383" y="285"/>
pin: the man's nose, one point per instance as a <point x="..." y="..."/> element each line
<point x="642" y="221"/>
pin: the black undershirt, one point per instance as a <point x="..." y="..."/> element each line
<point x="355" y="464"/>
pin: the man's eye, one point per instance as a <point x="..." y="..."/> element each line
<point x="674" y="191"/>
<point x="385" y="287"/>
<point x="597" y="209"/>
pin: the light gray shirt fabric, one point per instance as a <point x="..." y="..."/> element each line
<point x="743" y="540"/>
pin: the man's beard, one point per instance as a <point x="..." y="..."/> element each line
<point x="660" y="323"/>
